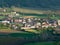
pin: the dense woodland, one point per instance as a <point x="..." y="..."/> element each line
<point x="37" y="4"/>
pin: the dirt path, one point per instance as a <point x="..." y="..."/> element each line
<point x="10" y="31"/>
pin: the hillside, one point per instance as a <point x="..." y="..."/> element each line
<point x="24" y="10"/>
<point x="34" y="11"/>
<point x="33" y="4"/>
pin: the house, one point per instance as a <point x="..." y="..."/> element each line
<point x="2" y="10"/>
<point x="38" y="23"/>
<point x="17" y="14"/>
<point x="20" y="20"/>
<point x="45" y="24"/>
<point x="24" y="21"/>
<point x="5" y="21"/>
<point x="16" y="20"/>
<point x="58" y="22"/>
<point x="32" y="27"/>
<point x="14" y="27"/>
<point x="29" y="20"/>
<point x="52" y="23"/>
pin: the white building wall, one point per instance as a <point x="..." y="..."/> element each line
<point x="58" y="22"/>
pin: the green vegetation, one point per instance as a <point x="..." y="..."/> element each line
<point x="24" y="35"/>
<point x="27" y="12"/>
<point x="41" y="43"/>
<point x="2" y="17"/>
<point x="33" y="35"/>
<point x="44" y="43"/>
<point x="30" y="36"/>
<point x="2" y="26"/>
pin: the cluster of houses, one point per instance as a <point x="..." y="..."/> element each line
<point x="29" y="23"/>
<point x="35" y="23"/>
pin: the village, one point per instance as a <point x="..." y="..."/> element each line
<point x="29" y="22"/>
<point x="16" y="22"/>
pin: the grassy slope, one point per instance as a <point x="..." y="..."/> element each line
<point x="23" y="10"/>
<point x="41" y="43"/>
<point x="29" y="12"/>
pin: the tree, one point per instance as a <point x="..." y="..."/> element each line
<point x="47" y="34"/>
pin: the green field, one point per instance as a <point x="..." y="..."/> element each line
<point x="35" y="15"/>
<point x="29" y="12"/>
<point x="43" y="43"/>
